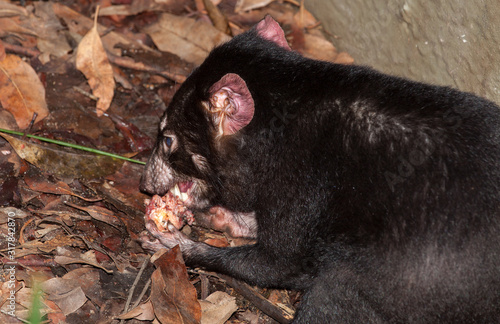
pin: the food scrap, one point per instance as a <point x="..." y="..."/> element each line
<point x="168" y="208"/>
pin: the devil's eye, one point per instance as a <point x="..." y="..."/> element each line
<point x="169" y="140"/>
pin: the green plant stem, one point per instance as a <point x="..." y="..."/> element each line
<point x="79" y="147"/>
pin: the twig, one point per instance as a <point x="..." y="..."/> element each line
<point x="132" y="289"/>
<point x="139" y="66"/>
<point x="21" y="231"/>
<point x="255" y="298"/>
<point x="21" y="50"/>
<point x="143" y="292"/>
<point x="30" y="126"/>
<point x="204" y="286"/>
<point x="136" y="281"/>
<point x="27" y="264"/>
<point x="217" y="17"/>
<point x="85" y="93"/>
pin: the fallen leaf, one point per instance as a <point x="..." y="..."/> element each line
<point x="89" y="281"/>
<point x="101" y="214"/>
<point x="2" y="51"/>
<point x="45" y="229"/>
<point x="217" y="17"/>
<point x="66" y="293"/>
<point x="217" y="308"/>
<point x="246" y="5"/>
<point x="62" y="163"/>
<point x="344" y="58"/>
<point x="78" y="25"/>
<point x="55" y="315"/>
<point x="143" y="312"/>
<point x="23" y="302"/>
<point x="188" y="38"/>
<point x="172" y="295"/>
<point x="41" y="184"/>
<point x="9" y="10"/>
<point x="61" y="239"/>
<point x="7" y="120"/>
<point x="8" y="188"/>
<point x="319" y="48"/>
<point x="10" y="26"/>
<point x="51" y="38"/>
<point x="7" y="213"/>
<point x="64" y="260"/>
<point x="137" y="140"/>
<point x="220" y="241"/>
<point x="21" y="91"/>
<point x="304" y="18"/>
<point x="92" y="60"/>
<point x="134" y="8"/>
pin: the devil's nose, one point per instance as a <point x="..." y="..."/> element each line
<point x="150" y="186"/>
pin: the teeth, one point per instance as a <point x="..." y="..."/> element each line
<point x="177" y="192"/>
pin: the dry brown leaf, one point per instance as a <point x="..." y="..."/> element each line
<point x="173" y="296"/>
<point x="78" y="25"/>
<point x="54" y="313"/>
<point x="9" y="10"/>
<point x="89" y="280"/>
<point x="62" y="163"/>
<point x="44" y="229"/>
<point x="304" y="18"/>
<point x="64" y="260"/>
<point x="29" y="248"/>
<point x="11" y="26"/>
<point x="11" y="212"/>
<point x="246" y="5"/>
<point x="60" y="239"/>
<point x="51" y="38"/>
<point x="217" y="17"/>
<point x="23" y="304"/>
<point x="131" y="9"/>
<point x="42" y="185"/>
<point x="101" y="214"/>
<point x="67" y="294"/>
<point x="217" y="308"/>
<point x="92" y="60"/>
<point x="189" y="39"/>
<point x="344" y="58"/>
<point x="21" y="91"/>
<point x="319" y="48"/>
<point x="143" y="312"/>
<point x="2" y="51"/>
<point x="58" y="188"/>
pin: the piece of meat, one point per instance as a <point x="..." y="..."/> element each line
<point x="168" y="208"/>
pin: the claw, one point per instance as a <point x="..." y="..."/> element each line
<point x="169" y="238"/>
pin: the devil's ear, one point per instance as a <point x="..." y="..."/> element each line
<point x="269" y="29"/>
<point x="230" y="105"/>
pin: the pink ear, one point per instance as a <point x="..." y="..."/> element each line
<point x="269" y="29"/>
<point x="230" y="104"/>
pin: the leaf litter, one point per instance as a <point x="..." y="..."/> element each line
<point x="70" y="221"/>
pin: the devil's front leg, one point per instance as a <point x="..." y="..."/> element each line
<point x="234" y="224"/>
<point x="251" y="263"/>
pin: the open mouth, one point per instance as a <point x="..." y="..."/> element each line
<point x="182" y="190"/>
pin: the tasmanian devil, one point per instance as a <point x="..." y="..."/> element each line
<point x="377" y="196"/>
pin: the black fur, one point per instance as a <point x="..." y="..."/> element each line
<point x="376" y="195"/>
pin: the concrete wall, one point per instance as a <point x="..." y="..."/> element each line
<point x="454" y="42"/>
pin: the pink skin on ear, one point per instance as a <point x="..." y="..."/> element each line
<point x="269" y="29"/>
<point x="231" y="104"/>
